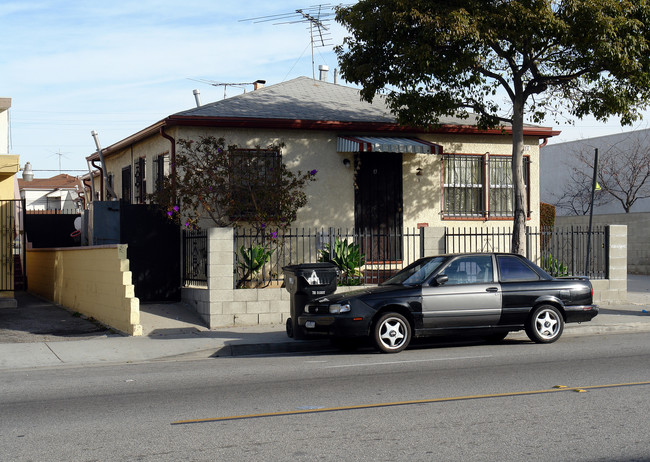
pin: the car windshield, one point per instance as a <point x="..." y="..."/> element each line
<point x="416" y="273"/>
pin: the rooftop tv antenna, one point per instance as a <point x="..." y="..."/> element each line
<point x="317" y="17"/>
<point x="226" y="85"/>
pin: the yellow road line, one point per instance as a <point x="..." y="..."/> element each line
<point x="407" y="403"/>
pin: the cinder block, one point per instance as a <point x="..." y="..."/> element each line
<point x="221" y="320"/>
<point x="270" y="319"/>
<point x="258" y="307"/>
<point x="246" y="319"/>
<point x="136" y="330"/>
<point x="234" y="307"/>
<point x="222" y="295"/>
<point x="245" y="295"/>
<point x="269" y="294"/>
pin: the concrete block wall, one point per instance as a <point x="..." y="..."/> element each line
<point x="221" y="305"/>
<point x="94" y="281"/>
<point x="614" y="289"/>
<point x="638" y="224"/>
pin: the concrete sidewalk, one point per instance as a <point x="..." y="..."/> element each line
<point x="172" y="332"/>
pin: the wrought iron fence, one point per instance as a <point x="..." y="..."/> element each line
<point x="560" y="251"/>
<point x="261" y="254"/>
<point x="195" y="257"/>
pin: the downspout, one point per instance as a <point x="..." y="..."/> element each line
<point x="101" y="179"/>
<point x="544" y="143"/>
<point x="92" y="183"/>
<point x="173" y="159"/>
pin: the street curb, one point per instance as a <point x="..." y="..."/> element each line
<point x="249" y="349"/>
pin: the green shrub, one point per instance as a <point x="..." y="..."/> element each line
<point x="553" y="266"/>
<point x="348" y="258"/>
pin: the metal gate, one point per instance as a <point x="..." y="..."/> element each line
<point x="12" y="245"/>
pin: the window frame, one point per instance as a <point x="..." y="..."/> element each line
<point x="486" y="210"/>
<point x="267" y="176"/>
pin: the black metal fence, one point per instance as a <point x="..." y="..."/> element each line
<point x="560" y="251"/>
<point x="261" y="254"/>
<point x="195" y="257"/>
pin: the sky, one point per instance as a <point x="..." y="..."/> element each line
<point x="73" y="66"/>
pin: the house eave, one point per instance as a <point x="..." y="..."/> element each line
<point x="293" y="124"/>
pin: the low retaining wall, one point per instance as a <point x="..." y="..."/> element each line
<point x="638" y="223"/>
<point x="94" y="281"/>
<point x="221" y="305"/>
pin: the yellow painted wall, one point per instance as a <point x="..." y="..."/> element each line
<point x="94" y="281"/>
<point x="331" y="197"/>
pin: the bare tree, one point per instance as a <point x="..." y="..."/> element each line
<point x="575" y="197"/>
<point x="623" y="175"/>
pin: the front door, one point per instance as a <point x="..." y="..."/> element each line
<point x="378" y="205"/>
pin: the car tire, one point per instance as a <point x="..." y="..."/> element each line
<point x="391" y="333"/>
<point x="545" y="324"/>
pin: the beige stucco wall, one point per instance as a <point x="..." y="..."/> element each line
<point x="94" y="281"/>
<point x="331" y="197"/>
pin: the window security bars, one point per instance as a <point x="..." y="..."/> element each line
<point x="126" y="184"/>
<point x="195" y="258"/>
<point x="480" y="186"/>
<point x="560" y="251"/>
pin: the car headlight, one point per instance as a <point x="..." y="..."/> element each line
<point x="339" y="308"/>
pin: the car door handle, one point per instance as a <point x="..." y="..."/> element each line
<point x="492" y="289"/>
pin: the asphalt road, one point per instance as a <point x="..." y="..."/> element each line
<point x="440" y="402"/>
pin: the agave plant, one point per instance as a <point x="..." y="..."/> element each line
<point x="553" y="266"/>
<point x="347" y="257"/>
<point x="252" y="260"/>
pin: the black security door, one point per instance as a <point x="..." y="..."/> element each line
<point x="378" y="205"/>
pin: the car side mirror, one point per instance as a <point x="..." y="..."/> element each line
<point x="440" y="279"/>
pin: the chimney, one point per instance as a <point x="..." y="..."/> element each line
<point x="258" y="84"/>
<point x="323" y="72"/>
<point x="197" y="97"/>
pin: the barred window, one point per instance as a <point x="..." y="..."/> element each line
<point x="126" y="184"/>
<point x="255" y="171"/>
<point x="140" y="181"/>
<point x="480" y="185"/>
<point x="502" y="191"/>
<point x="160" y="171"/>
<point x="464" y="180"/>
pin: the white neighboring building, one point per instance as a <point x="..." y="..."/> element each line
<point x="59" y="193"/>
<point x="558" y="160"/>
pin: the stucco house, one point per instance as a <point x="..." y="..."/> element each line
<point x="372" y="172"/>
<point x="56" y="194"/>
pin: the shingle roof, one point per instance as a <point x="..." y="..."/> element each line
<point x="303" y="98"/>
<point x="62" y="181"/>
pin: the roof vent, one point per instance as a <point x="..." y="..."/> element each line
<point x="197" y="97"/>
<point x="258" y="84"/>
<point x="323" y="69"/>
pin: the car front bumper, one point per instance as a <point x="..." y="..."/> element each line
<point x="334" y="325"/>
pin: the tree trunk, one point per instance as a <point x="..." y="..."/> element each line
<point x="519" y="223"/>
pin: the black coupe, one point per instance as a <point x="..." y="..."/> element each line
<point x="485" y="294"/>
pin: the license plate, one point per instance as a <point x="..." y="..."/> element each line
<point x="310" y="324"/>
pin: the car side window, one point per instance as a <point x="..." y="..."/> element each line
<point x="469" y="270"/>
<point x="513" y="269"/>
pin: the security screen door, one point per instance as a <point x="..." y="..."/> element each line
<point x="378" y="205"/>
